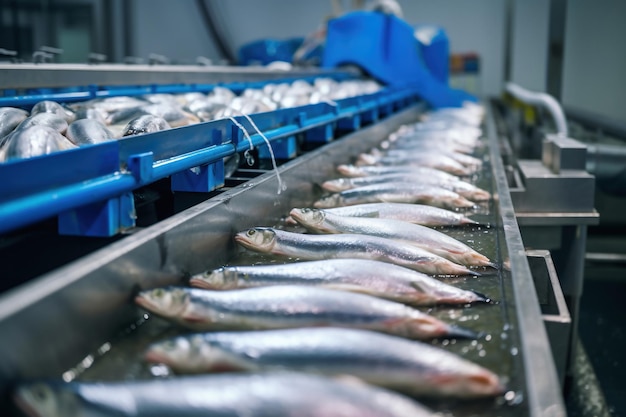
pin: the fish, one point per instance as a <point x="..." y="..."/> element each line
<point x="91" y="113"/>
<point x="412" y="213"/>
<point x="35" y="141"/>
<point x="50" y="120"/>
<point x="411" y="367"/>
<point x="205" y="109"/>
<point x="87" y="132"/>
<point x="431" y="240"/>
<point x="227" y="395"/>
<point x="464" y="189"/>
<point x="353" y="246"/>
<point x="173" y="115"/>
<point x="379" y="279"/>
<point x="145" y="124"/>
<point x="408" y="152"/>
<point x="423" y="159"/>
<point x="10" y="117"/>
<point x="55" y="108"/>
<point x="371" y="170"/>
<point x="289" y="306"/>
<point x="396" y="193"/>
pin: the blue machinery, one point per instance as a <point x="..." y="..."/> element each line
<point x="90" y="188"/>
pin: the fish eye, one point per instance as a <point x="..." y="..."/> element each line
<point x="40" y="393"/>
<point x="251" y="232"/>
<point x="159" y="292"/>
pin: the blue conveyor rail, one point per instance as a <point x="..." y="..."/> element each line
<point x="90" y="188"/>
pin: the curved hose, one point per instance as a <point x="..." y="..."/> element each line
<point x="543" y="100"/>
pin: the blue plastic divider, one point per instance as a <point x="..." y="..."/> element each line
<point x="88" y="186"/>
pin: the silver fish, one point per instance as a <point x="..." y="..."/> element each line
<point x="205" y="109"/>
<point x="412" y="213"/>
<point x="35" y="141"/>
<point x="379" y="279"/>
<point x="343" y="246"/>
<point x="410" y="367"/>
<point x="467" y="160"/>
<point x="87" y="132"/>
<point x="424" y="159"/>
<point x="434" y="143"/>
<point x="10" y="117"/>
<point x="462" y="188"/>
<point x="53" y="107"/>
<point x="290" y="306"/>
<point x="227" y="395"/>
<point x="426" y="238"/>
<point x="396" y="193"/>
<point x="91" y="113"/>
<point x="145" y="124"/>
<point x="44" y="119"/>
<point x="367" y="170"/>
<point x="173" y="115"/>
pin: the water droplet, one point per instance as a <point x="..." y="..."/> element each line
<point x="514" y="351"/>
<point x="446" y="342"/>
<point x="68" y="376"/>
<point x="146" y="316"/>
<point x="160" y="370"/>
<point x="488" y="338"/>
<point x="482" y="353"/>
<point x="509" y="395"/>
<point x="474" y="343"/>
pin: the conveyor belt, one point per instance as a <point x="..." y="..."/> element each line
<point x="50" y="324"/>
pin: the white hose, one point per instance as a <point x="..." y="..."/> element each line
<point x="544" y="100"/>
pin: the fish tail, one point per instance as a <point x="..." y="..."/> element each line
<point x="467" y="220"/>
<point x="482" y="298"/>
<point x="458" y="332"/>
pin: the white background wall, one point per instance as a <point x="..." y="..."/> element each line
<point x="594" y="76"/>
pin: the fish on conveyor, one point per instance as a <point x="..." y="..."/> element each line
<point x="412" y="213"/>
<point x="91" y="113"/>
<point x="344" y="246"/>
<point x="34" y="141"/>
<point x="145" y="124"/>
<point x="424" y="159"/>
<point x="354" y="171"/>
<point x="290" y="306"/>
<point x="410" y="367"/>
<point x="379" y="279"/>
<point x="407" y="153"/>
<point x="10" y="118"/>
<point x="44" y="119"/>
<point x="433" y="144"/>
<point x="431" y="240"/>
<point x="465" y="189"/>
<point x="226" y="395"/>
<point x="53" y="107"/>
<point x="396" y="193"/>
<point x="173" y="115"/>
<point x="87" y="132"/>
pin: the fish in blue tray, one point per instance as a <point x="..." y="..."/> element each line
<point x="227" y="395"/>
<point x="145" y="124"/>
<point x="407" y="366"/>
<point x="379" y="279"/>
<point x="342" y="246"/>
<point x="88" y="132"/>
<point x="289" y="306"/>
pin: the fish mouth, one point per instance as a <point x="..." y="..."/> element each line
<point x="200" y="283"/>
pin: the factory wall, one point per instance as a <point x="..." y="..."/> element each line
<point x="594" y="62"/>
<point x="179" y="32"/>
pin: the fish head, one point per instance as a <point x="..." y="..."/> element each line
<point x="308" y="217"/>
<point x="350" y="171"/>
<point x="260" y="239"/>
<point x="337" y="185"/>
<point x="166" y="302"/>
<point x="217" y="279"/>
<point x="194" y="354"/>
<point x="42" y="399"/>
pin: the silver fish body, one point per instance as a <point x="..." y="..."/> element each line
<point x="50" y="120"/>
<point x="371" y="170"/>
<point x="291" y="306"/>
<point x="227" y="395"/>
<point x="342" y="246"/>
<point x="87" y="132"/>
<point x="428" y="239"/>
<point x="407" y="153"/>
<point x="145" y="124"/>
<point x="462" y="188"/>
<point x="379" y="279"/>
<point x="91" y="113"/>
<point x="35" y="141"/>
<point x="10" y="118"/>
<point x="412" y="213"/>
<point x="53" y="107"/>
<point x="396" y="193"/>
<point x="410" y="367"/>
<point x="173" y="115"/>
<point x="427" y="159"/>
